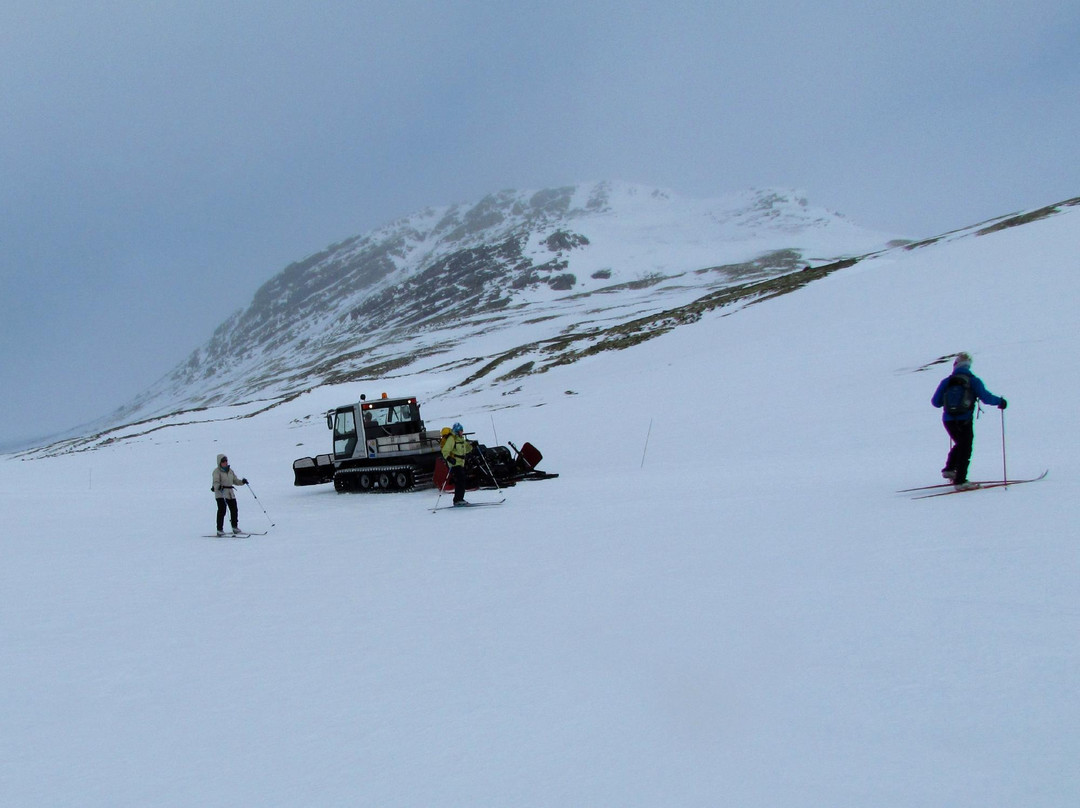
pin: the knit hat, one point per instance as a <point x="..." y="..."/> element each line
<point x="458" y="429"/>
<point x="963" y="360"/>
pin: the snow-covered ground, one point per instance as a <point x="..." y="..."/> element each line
<point x="720" y="601"/>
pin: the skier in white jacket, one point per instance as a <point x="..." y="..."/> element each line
<point x="224" y="481"/>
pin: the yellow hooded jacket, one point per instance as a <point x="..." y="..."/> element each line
<point x="454" y="449"/>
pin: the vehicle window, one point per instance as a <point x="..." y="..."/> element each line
<point x="402" y="412"/>
<point x="344" y="433"/>
<point x="375" y="417"/>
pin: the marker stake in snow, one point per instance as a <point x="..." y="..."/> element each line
<point x="643" y="451"/>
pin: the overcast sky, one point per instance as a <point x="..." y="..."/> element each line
<point x="159" y="161"/>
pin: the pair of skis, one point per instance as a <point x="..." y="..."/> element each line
<point x="928" y="491"/>
<point x="467" y="505"/>
<point x="243" y="535"/>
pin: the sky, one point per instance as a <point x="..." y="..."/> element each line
<point x="159" y="162"/>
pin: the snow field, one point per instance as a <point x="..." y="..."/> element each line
<point x="743" y="612"/>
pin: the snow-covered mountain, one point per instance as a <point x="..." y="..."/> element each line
<point x="540" y="275"/>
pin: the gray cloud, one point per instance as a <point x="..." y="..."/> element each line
<point x="160" y="161"/>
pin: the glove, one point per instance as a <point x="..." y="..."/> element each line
<point x="1003" y="404"/>
<point x="243" y="481"/>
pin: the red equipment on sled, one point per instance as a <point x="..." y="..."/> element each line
<point x="494" y="466"/>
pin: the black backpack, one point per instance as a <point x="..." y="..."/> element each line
<point x="959" y="395"/>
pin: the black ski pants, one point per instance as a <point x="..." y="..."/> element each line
<point x="457" y="474"/>
<point x="234" y="515"/>
<point x="963" y="438"/>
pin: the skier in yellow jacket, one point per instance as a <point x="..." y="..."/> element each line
<point x="454" y="449"/>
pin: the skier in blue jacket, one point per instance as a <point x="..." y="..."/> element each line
<point x="958" y="395"/>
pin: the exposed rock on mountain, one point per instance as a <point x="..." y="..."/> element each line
<point x="543" y="275"/>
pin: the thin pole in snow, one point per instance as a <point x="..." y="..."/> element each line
<point x="643" y="451"/>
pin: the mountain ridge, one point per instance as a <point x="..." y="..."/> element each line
<point x="525" y="338"/>
<point x="493" y="263"/>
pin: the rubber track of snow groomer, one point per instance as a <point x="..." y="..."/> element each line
<point x="380" y="479"/>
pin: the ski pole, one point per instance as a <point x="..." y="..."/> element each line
<point x="1004" y="466"/>
<point x="442" y="485"/>
<point x="491" y="474"/>
<point x="268" y="519"/>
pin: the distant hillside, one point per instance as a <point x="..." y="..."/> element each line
<point x="466" y="346"/>
<point x="540" y="274"/>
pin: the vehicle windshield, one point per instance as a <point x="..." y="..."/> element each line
<point x="391" y="419"/>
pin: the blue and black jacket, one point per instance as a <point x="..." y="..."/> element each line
<point x="977" y="386"/>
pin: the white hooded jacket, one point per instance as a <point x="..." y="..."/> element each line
<point x="223" y="481"/>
